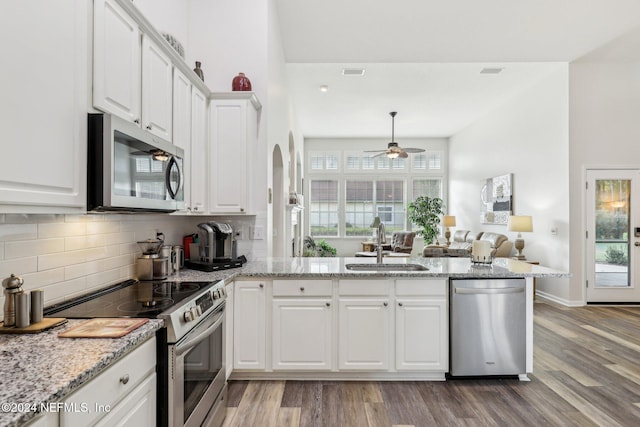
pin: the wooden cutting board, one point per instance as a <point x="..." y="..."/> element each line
<point x="103" y="328"/>
<point x="46" y="323"/>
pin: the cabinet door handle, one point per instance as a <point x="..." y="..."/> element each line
<point x="328" y="304"/>
<point x="301" y="288"/>
<point x="136" y="121"/>
<point x="261" y="285"/>
<point x="400" y="304"/>
<point x="124" y="379"/>
<point x="385" y="303"/>
<point x="149" y="127"/>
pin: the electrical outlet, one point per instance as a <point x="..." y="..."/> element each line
<point x="257" y="233"/>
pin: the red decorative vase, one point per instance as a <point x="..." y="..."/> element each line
<point x="241" y="83"/>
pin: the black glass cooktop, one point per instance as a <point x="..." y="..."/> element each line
<point x="128" y="299"/>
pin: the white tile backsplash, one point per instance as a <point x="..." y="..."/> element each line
<point x="26" y="248"/>
<point x="11" y="232"/>
<point x="70" y="255"/>
<point x="62" y="229"/>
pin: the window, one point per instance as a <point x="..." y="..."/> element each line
<point x="323" y="209"/>
<point x="385" y="213"/>
<point x="390" y="203"/>
<point x="358" y="208"/>
<point x="348" y="187"/>
<point x="324" y="161"/>
<point x="429" y="161"/>
<point x="431" y="187"/>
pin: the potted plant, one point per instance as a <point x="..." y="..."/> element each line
<point x="320" y="249"/>
<point x="425" y="212"/>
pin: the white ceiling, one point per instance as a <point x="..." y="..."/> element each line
<point x="423" y="57"/>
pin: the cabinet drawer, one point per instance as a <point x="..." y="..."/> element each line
<point x="297" y="288"/>
<point x="365" y="287"/>
<point x="424" y="287"/>
<point x="109" y="386"/>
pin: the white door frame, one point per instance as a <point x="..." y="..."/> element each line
<point x="601" y="293"/>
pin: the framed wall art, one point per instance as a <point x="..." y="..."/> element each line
<point x="497" y="200"/>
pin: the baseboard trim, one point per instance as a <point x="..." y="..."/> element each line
<point x="557" y="300"/>
<point x="339" y="376"/>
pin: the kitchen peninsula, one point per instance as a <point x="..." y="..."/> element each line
<point x="333" y="318"/>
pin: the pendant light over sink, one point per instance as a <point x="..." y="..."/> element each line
<point x="393" y="149"/>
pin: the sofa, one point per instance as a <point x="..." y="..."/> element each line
<point x="462" y="244"/>
<point x="401" y="241"/>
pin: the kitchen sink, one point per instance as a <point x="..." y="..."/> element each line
<point x="386" y="267"/>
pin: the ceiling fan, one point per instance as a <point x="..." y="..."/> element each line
<point x="393" y="149"/>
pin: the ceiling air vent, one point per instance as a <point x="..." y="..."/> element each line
<point x="491" y="70"/>
<point x="353" y="72"/>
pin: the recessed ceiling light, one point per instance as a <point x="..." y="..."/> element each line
<point x="324" y="88"/>
<point x="353" y="72"/>
<point x="491" y="70"/>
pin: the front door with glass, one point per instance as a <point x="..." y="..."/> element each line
<point x="613" y="235"/>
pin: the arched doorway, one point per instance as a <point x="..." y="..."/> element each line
<point x="278" y="204"/>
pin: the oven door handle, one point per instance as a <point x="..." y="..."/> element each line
<point x="201" y="333"/>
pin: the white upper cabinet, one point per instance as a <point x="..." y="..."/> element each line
<point x="190" y="133"/>
<point x="157" y="87"/>
<point x="234" y="135"/>
<point x="132" y="76"/>
<point x="198" y="154"/>
<point x="182" y="127"/>
<point x="116" y="61"/>
<point x="43" y="111"/>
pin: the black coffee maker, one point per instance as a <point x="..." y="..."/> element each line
<point x="216" y="242"/>
<point x="217" y="249"/>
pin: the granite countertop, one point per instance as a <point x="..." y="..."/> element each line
<point x="335" y="267"/>
<point x="41" y="368"/>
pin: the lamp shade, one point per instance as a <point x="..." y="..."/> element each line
<point x="449" y="221"/>
<point x="520" y="223"/>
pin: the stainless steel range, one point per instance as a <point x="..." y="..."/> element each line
<point x="191" y="370"/>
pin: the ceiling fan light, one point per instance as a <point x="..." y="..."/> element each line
<point x="393" y="155"/>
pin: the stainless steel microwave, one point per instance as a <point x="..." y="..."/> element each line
<point x="129" y="169"/>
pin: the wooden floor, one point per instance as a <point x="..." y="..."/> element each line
<point x="586" y="373"/>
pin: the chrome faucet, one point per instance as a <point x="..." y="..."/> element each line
<point x="381" y="239"/>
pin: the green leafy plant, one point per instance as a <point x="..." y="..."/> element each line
<point x="616" y="256"/>
<point x="319" y="249"/>
<point x="425" y="212"/>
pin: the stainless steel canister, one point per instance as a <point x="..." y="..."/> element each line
<point x="37" y="305"/>
<point x="177" y="258"/>
<point x="22" y="310"/>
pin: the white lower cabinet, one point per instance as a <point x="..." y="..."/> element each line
<point x="364" y="324"/>
<point x="46" y="419"/>
<point x="138" y="408"/>
<point x="124" y="394"/>
<point x="421" y="319"/>
<point x="381" y="326"/>
<point x="249" y="325"/>
<point x="301" y="334"/>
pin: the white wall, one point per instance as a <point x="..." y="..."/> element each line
<point x="528" y="137"/>
<point x="604" y="128"/>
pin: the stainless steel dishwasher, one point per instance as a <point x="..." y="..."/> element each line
<point x="488" y="327"/>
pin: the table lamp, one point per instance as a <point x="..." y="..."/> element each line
<point x="448" y="221"/>
<point x="520" y="223"/>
